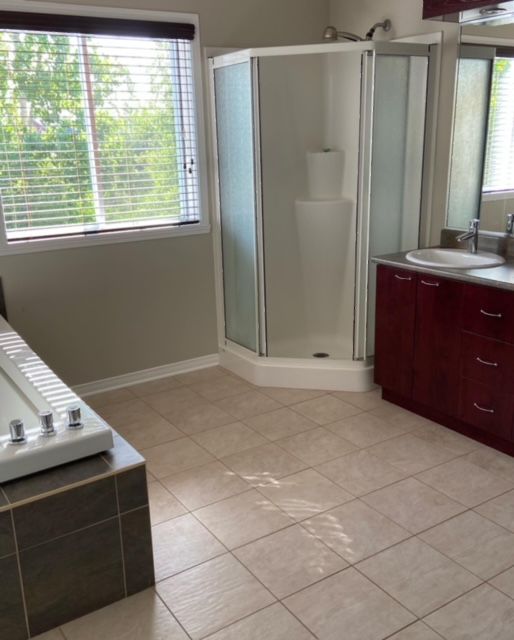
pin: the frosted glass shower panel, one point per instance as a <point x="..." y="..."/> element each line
<point x="398" y="136"/>
<point x="236" y="166"/>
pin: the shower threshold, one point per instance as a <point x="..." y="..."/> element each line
<point x="301" y="373"/>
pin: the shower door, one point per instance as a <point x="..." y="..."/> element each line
<point x="310" y="104"/>
<point x="395" y="87"/>
<point x="238" y="200"/>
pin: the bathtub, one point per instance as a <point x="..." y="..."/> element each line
<point x="27" y="387"/>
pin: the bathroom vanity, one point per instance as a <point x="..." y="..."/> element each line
<point x="445" y="346"/>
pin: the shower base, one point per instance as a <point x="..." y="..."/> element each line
<point x="300" y="373"/>
<point x="336" y="349"/>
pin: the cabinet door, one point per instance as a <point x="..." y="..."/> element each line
<point x="437" y="352"/>
<point x="394" y="331"/>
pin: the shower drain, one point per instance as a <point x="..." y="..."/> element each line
<point x="320" y="354"/>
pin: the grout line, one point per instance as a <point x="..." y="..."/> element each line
<point x="454" y="559"/>
<point x="239" y="493"/>
<point x="193" y="566"/>
<point x="68" y="487"/>
<point x="405" y="606"/>
<point x="488" y="583"/>
<point x="336" y="574"/>
<point x="70" y="533"/>
<point x="494" y="497"/>
<point x="424" y="619"/>
<point x="20" y="575"/>
<point x="170" y="611"/>
<point x="173" y="496"/>
<point x="420" y="620"/>
<point x="124" y="573"/>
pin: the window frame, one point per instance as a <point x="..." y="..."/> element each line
<point x="126" y="235"/>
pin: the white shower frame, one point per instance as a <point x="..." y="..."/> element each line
<point x="354" y="375"/>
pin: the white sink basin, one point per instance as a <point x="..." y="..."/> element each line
<point x="454" y="258"/>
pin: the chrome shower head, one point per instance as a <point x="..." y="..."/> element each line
<point x="331" y="34"/>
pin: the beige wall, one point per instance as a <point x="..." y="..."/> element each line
<point x="97" y="312"/>
<point x="358" y="16"/>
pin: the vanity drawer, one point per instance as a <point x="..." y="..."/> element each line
<point x="488" y="312"/>
<point x="483" y="407"/>
<point x="487" y="361"/>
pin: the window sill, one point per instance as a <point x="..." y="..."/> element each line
<point x="113" y="237"/>
<point x="492" y="196"/>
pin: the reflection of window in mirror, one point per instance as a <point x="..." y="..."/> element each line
<point x="469" y="134"/>
<point x="498" y="180"/>
<point x="499" y="157"/>
<point x="482" y="173"/>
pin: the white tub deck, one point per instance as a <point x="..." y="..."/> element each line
<point x="28" y="386"/>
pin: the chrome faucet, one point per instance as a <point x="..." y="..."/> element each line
<point x="510" y="224"/>
<point x="471" y="235"/>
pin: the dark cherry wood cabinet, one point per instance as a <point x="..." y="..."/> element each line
<point x="437" y="8"/>
<point x="437" y="338"/>
<point x="394" y="342"/>
<point x="445" y="349"/>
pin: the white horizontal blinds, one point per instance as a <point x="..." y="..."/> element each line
<point x="98" y="133"/>
<point x="140" y="101"/>
<point x="44" y="158"/>
<point x="183" y="100"/>
<point x="499" y="164"/>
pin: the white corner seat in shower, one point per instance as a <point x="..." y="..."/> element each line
<point x="28" y="386"/>
<point x="325" y="240"/>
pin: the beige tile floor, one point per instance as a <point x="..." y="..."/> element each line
<point x="284" y="514"/>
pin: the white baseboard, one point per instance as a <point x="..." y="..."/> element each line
<point x="127" y="379"/>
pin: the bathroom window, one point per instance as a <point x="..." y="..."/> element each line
<point x="499" y="164"/>
<point x="98" y="128"/>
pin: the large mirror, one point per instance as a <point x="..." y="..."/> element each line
<point x="482" y="166"/>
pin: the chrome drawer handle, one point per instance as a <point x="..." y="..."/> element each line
<point x="401" y="278"/>
<point x="488" y="364"/>
<point x="477" y="406"/>
<point x="431" y="284"/>
<point x="491" y="315"/>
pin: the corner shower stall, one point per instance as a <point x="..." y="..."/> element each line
<point x="319" y="156"/>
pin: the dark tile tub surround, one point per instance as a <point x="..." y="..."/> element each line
<point x="55" y="479"/>
<point x="137" y="550"/>
<point x="72" y="576"/>
<point x="73" y="539"/>
<point x="7" y="546"/>
<point x="58" y="515"/>
<point x="132" y="489"/>
<point x="13" y="625"/>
